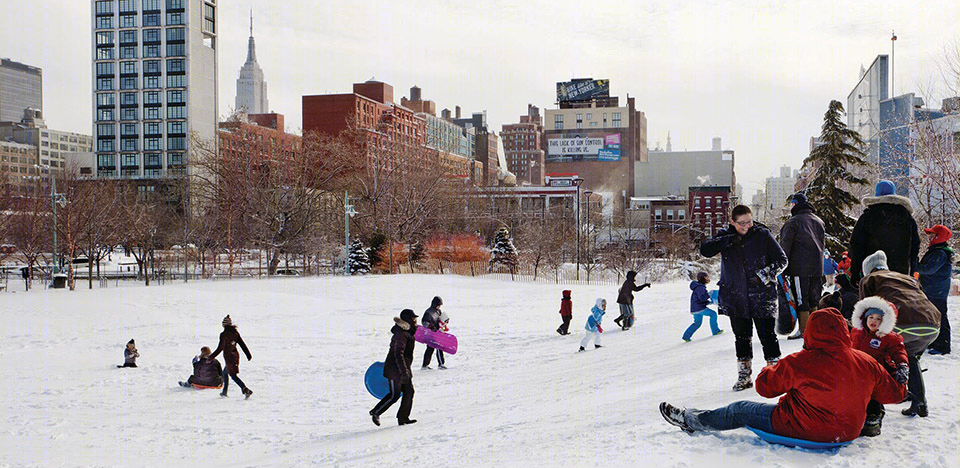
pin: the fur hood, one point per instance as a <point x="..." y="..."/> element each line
<point x="402" y="323"/>
<point x="891" y="199"/>
<point x="875" y="302"/>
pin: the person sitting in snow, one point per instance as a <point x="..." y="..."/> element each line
<point x="593" y="324"/>
<point x="699" y="300"/>
<point x="566" y="312"/>
<point x="130" y="354"/>
<point x="206" y="371"/>
<point x="873" y="321"/>
<point x="826" y="387"/>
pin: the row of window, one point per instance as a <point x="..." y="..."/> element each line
<point x="706" y="202"/>
<point x="558" y="120"/>
<point x="149" y="159"/>
<point x="149" y="82"/>
<point x="149" y="51"/>
<point x="149" y="113"/>
<point x="150" y="67"/>
<point x="149" y="144"/>
<point x="105" y="7"/>
<point x="149" y="128"/>
<point x="174" y="96"/>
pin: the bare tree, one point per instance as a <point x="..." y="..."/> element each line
<point x="140" y="216"/>
<point x="30" y="229"/>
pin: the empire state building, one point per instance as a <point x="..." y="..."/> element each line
<point x="251" y="89"/>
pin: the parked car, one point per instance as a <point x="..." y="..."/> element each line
<point x="288" y="273"/>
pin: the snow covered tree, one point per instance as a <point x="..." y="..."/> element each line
<point x="503" y="251"/>
<point x="417" y="253"/>
<point x="359" y="261"/>
<point x="831" y="165"/>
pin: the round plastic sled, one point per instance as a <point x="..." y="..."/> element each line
<point x="376" y="383"/>
<point x="791" y="442"/>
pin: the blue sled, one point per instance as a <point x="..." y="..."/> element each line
<point x="376" y="383"/>
<point x="791" y="442"/>
<point x="715" y="296"/>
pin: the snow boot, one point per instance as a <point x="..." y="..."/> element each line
<point x="871" y="427"/>
<point x="802" y="317"/>
<point x="581" y="349"/>
<point x="375" y="417"/>
<point x="717" y="333"/>
<point x="441" y="366"/>
<point x="916" y="409"/>
<point x="184" y="384"/>
<point x="596" y="346"/>
<point x="744" y="370"/>
<point x="617" y="320"/>
<point x="675" y="416"/>
<point x="246" y="393"/>
<point x="426" y="368"/>
<point x="404" y="422"/>
<point x="773" y="361"/>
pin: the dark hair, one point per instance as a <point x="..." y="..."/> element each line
<point x="740" y="210"/>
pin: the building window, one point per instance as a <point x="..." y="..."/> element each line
<point x="128" y="129"/>
<point x="129" y="160"/>
<point x="128" y="144"/>
<point x="176" y="128"/>
<point x="151" y="51"/>
<point x="209" y="16"/>
<point x="105" y="38"/>
<point x="682" y="215"/>
<point x="151" y="97"/>
<point x="106" y="130"/>
<point x="106" y="99"/>
<point x="175" y="97"/>
<point x="176" y="143"/>
<point x="128" y="37"/>
<point x="152" y="19"/>
<point x="175" y="159"/>
<point x="151" y="5"/>
<point x="106" y="160"/>
<point x="128" y="68"/>
<point x="175" y="50"/>
<point x="658" y="215"/>
<point x="175" y="19"/>
<point x="104" y="7"/>
<point x="128" y="52"/>
<point x="176" y="112"/>
<point x="669" y="215"/>
<point x="558" y="121"/>
<point x="151" y="66"/>
<point x="127" y="6"/>
<point x="151" y="144"/>
<point x="104" y="22"/>
<point x="706" y="202"/>
<point x="128" y="113"/>
<point x="105" y="53"/>
<point x="151" y="113"/>
<point x="128" y="99"/>
<point x="151" y="36"/>
<point x="105" y="146"/>
<point x="174" y="4"/>
<point x="151" y="160"/>
<point x="105" y="69"/>
<point x="175" y="34"/>
<point x="151" y="82"/>
<point x="616" y="119"/>
<point x="176" y="81"/>
<point x="128" y="83"/>
<point x="128" y="21"/>
<point x="104" y="115"/>
<point x="151" y="128"/>
<point x="175" y="66"/>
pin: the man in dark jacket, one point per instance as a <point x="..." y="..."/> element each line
<point x="802" y="238"/>
<point x="886" y="224"/>
<point x="935" y="269"/>
<point x="396" y="368"/>
<point x="918" y="321"/>
<point x="751" y="259"/>
<point x="625" y="300"/>
<point x="431" y="320"/>
<point x="229" y="339"/>
<point x="206" y="371"/>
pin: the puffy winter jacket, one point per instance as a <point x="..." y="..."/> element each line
<point x="829" y="266"/>
<point x="748" y="271"/>
<point x="396" y="366"/>
<point x="625" y="295"/>
<point x="827" y="385"/>
<point x="886" y="346"/>
<point x="596" y="315"/>
<point x="431" y="317"/>
<point x="935" y="269"/>
<point x="886" y="224"/>
<point x="700" y="298"/>
<point x="229" y="339"/>
<point x="566" y="304"/>
<point x="802" y="238"/>
<point x="207" y="372"/>
<point x="914" y="310"/>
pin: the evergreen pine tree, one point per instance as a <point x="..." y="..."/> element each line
<point x="359" y="261"/>
<point x="503" y="251"/>
<point x="417" y="252"/>
<point x="841" y="151"/>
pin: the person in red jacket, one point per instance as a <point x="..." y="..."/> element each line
<point x="873" y="320"/>
<point x="566" y="312"/>
<point x="827" y="386"/>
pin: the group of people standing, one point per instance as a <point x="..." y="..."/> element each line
<point x="894" y="303"/>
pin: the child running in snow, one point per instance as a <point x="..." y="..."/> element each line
<point x="698" y="307"/>
<point x="873" y="321"/>
<point x="593" y="324"/>
<point x="130" y="354"/>
<point x="566" y="312"/>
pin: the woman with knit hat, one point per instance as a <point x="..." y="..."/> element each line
<point x="229" y="339"/>
<point x="886" y="224"/>
<point x="935" y="269"/>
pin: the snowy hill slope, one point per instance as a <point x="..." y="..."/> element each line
<point x="516" y="394"/>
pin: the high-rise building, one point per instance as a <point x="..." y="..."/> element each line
<point x="863" y="105"/>
<point x="523" y="147"/>
<point x="674" y="172"/>
<point x="155" y="84"/>
<point x="21" y="87"/>
<point x="251" y="89"/>
<point x="777" y="191"/>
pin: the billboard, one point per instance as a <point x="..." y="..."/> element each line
<point x="601" y="148"/>
<point x="582" y="90"/>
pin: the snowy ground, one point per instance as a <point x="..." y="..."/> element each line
<point x="516" y="394"/>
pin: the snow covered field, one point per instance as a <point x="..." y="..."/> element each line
<point x="516" y="394"/>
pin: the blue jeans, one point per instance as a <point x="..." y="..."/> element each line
<point x="226" y="381"/>
<point x="735" y="415"/>
<point x="698" y="319"/>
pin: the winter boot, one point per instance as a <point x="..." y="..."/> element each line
<point x="596" y="346"/>
<point x="376" y="418"/>
<point x="184" y="384"/>
<point x="247" y="392"/>
<point x="617" y="320"/>
<point x="916" y="409"/>
<point x="802" y="317"/>
<point x="772" y="361"/>
<point x="871" y="427"/>
<point x="581" y="349"/>
<point x="744" y="370"/>
<point x="675" y="416"/>
<point x="404" y="422"/>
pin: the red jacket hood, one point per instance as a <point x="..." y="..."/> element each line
<point x="941" y="232"/>
<point x="826" y="330"/>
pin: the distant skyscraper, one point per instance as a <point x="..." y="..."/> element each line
<point x="251" y="89"/>
<point x="20" y="88"/>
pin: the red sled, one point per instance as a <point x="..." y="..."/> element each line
<point x="445" y="342"/>
<point x="204" y="387"/>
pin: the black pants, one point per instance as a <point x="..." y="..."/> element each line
<point x="128" y="364"/>
<point x="565" y="328"/>
<point x="811" y="288"/>
<point x="875" y="410"/>
<point x="428" y="354"/>
<point x="942" y="343"/>
<point x="226" y="381"/>
<point x="743" y="330"/>
<point x="915" y="383"/>
<point x="397" y="389"/>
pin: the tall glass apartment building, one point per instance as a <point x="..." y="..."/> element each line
<point x="154" y="84"/>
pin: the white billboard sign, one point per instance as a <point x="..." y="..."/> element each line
<point x="574" y="146"/>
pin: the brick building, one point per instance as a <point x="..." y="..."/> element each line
<point x="709" y="208"/>
<point x="261" y="133"/>
<point x="17" y="167"/>
<point x="523" y="147"/>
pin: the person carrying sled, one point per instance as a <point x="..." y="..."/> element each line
<point x="206" y="371"/>
<point x="593" y="327"/>
<point x="918" y="320"/>
<point x="130" y="354"/>
<point x="802" y="238"/>
<point x="826" y="387"/>
<point x="750" y="261"/>
<point x="873" y="322"/>
<point x="935" y="269"/>
<point x="431" y="320"/>
<point x="229" y="339"/>
<point x="396" y="368"/>
<point x="625" y="300"/>
<point x="699" y="300"/>
<point x="566" y="312"/>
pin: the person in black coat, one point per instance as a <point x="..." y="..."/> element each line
<point x="935" y="270"/>
<point x="206" y="371"/>
<point x="625" y="300"/>
<point x="751" y="259"/>
<point x="802" y="238"/>
<point x="431" y="320"/>
<point x="886" y="224"/>
<point x="396" y="368"/>
<point x="229" y="339"/>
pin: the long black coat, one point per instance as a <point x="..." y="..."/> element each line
<point x="397" y="365"/>
<point x="625" y="295"/>
<point x="802" y="238"/>
<point x="886" y="224"/>
<point x="748" y="270"/>
<point x="229" y="339"/>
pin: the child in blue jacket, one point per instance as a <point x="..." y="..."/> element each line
<point x="593" y="324"/>
<point x="699" y="300"/>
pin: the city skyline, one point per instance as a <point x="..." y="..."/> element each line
<point x="759" y="77"/>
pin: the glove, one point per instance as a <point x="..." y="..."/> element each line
<point x="903" y="373"/>
<point x="644" y="285"/>
<point x="768" y="274"/>
<point x="599" y="328"/>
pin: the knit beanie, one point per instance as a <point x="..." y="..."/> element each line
<point x="798" y="198"/>
<point x="131" y="342"/>
<point x="876" y="261"/>
<point x="885" y="187"/>
<point x="873" y="310"/>
<point x="227" y="322"/>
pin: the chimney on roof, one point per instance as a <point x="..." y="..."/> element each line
<point x="457" y="112"/>
<point x="716" y="144"/>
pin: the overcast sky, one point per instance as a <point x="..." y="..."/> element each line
<point x="758" y="74"/>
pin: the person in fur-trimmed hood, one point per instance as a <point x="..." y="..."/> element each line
<point x="873" y="321"/>
<point x="396" y="368"/>
<point x="886" y="224"/>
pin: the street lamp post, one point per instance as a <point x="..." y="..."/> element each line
<point x="587" y="193"/>
<point x="348" y="212"/>
<point x="56" y="199"/>
<point x="577" y="181"/>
